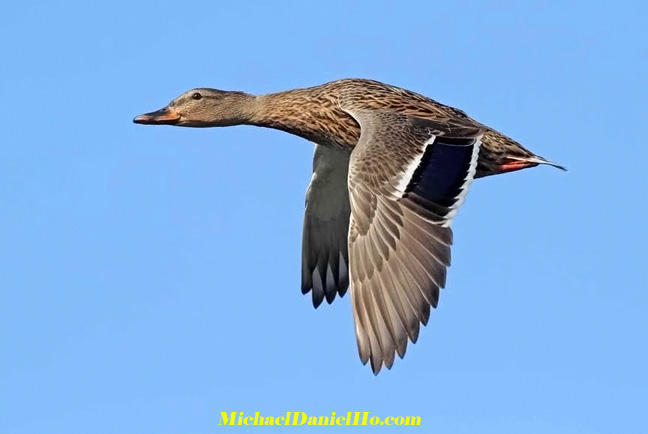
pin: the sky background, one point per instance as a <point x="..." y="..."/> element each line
<point x="150" y="276"/>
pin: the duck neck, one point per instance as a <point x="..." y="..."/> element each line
<point x="287" y="111"/>
<point x="302" y="112"/>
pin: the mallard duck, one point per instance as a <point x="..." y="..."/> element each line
<point x="391" y="168"/>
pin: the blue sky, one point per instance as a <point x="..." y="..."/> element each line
<point x="150" y="275"/>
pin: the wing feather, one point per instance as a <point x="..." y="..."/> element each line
<point x="326" y="227"/>
<point x="407" y="177"/>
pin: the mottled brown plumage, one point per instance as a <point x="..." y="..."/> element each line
<point x="391" y="169"/>
<point x="314" y="113"/>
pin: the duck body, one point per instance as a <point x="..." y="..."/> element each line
<point x="391" y="168"/>
<point x="329" y="125"/>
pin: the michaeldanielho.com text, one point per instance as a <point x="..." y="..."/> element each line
<point x="299" y="418"/>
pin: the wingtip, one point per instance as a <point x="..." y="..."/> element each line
<point x="317" y="301"/>
<point x="377" y="368"/>
<point x="330" y="295"/>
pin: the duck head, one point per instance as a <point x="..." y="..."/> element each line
<point x="203" y="107"/>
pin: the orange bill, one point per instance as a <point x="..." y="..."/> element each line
<point x="159" y="117"/>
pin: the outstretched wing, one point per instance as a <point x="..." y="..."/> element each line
<point x="407" y="178"/>
<point x="326" y="227"/>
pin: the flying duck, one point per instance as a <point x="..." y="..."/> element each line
<point x="390" y="170"/>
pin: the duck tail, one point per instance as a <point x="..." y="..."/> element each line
<point x="512" y="163"/>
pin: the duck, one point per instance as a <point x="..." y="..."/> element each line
<point x="391" y="168"/>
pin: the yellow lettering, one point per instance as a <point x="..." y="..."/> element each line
<point x="304" y="418"/>
<point x="227" y="420"/>
<point x="301" y="418"/>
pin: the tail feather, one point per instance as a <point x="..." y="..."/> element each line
<point x="536" y="159"/>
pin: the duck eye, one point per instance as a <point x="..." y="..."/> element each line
<point x="196" y="96"/>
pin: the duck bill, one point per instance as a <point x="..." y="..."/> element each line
<point x="165" y="116"/>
